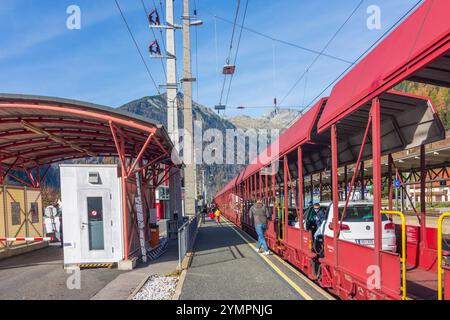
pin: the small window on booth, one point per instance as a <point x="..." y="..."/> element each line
<point x="34" y="212"/>
<point x="94" y="178"/>
<point x="15" y="214"/>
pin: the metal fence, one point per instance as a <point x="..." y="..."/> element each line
<point x="186" y="237"/>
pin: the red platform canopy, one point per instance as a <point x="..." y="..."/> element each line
<point x="37" y="131"/>
<point x="417" y="50"/>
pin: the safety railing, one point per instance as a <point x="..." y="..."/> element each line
<point x="439" y="253"/>
<point x="403" y="257"/>
<point x="186" y="237"/>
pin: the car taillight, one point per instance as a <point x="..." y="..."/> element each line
<point x="389" y="226"/>
<point x="343" y="227"/>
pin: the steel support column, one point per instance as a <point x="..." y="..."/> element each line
<point x="345" y="182"/>
<point x="390" y="185"/>
<point x="376" y="155"/>
<point x="362" y="180"/>
<point x="300" y="194"/>
<point x="274" y="192"/>
<point x="286" y="196"/>
<point x="335" y="189"/>
<point x="320" y="186"/>
<point x="423" y="178"/>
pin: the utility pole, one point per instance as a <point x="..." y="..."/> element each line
<point x="188" y="149"/>
<point x="172" y="112"/>
<point x="172" y="86"/>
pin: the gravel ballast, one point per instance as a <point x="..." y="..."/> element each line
<point x="157" y="288"/>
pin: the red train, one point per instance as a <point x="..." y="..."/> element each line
<point x="360" y="126"/>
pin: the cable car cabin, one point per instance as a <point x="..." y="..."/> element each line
<point x="229" y="69"/>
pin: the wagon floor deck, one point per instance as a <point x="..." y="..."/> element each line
<point x="421" y="284"/>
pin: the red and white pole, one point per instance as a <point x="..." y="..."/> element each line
<point x="26" y="239"/>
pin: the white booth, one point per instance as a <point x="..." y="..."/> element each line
<point x="92" y="214"/>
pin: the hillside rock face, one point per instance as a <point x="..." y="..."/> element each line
<point x="280" y="119"/>
<point x="216" y="176"/>
<point x="154" y="108"/>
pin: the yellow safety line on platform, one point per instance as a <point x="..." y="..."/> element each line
<point x="273" y="266"/>
<point x="306" y="279"/>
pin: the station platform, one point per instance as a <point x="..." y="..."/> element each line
<point x="226" y="266"/>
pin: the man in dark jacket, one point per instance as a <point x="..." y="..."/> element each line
<point x="260" y="214"/>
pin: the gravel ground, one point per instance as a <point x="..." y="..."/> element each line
<point x="157" y="288"/>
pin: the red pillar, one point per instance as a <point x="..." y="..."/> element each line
<point x="300" y="194"/>
<point x="345" y="182"/>
<point x="260" y="186"/>
<point x="390" y="185"/>
<point x="335" y="189"/>
<point x="286" y="196"/>
<point x="274" y="192"/>
<point x="376" y="155"/>
<point x="423" y="178"/>
<point x="123" y="181"/>
<point x="320" y="186"/>
<point x="362" y="179"/>
<point x="266" y="189"/>
<point x="256" y="186"/>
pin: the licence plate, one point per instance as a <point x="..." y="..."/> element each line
<point x="365" y="241"/>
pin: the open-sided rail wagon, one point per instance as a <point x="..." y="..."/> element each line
<point x="361" y="120"/>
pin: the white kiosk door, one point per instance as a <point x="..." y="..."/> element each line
<point x="96" y="224"/>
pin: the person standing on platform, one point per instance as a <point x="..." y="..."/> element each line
<point x="217" y="213"/>
<point x="260" y="214"/>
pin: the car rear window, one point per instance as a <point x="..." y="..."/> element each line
<point x="359" y="214"/>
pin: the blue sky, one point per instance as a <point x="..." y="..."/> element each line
<point x="99" y="63"/>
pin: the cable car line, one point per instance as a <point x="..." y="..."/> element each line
<point x="280" y="40"/>
<point x="364" y="53"/>
<point x="237" y="51"/>
<point x="137" y="46"/>
<point x="322" y="51"/>
<point x="357" y="59"/>
<point x="229" y="55"/>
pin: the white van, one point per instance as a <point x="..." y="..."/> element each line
<point x="358" y="226"/>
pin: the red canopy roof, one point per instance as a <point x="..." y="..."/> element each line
<point x="298" y="134"/>
<point x="418" y="50"/>
<point x="37" y="131"/>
